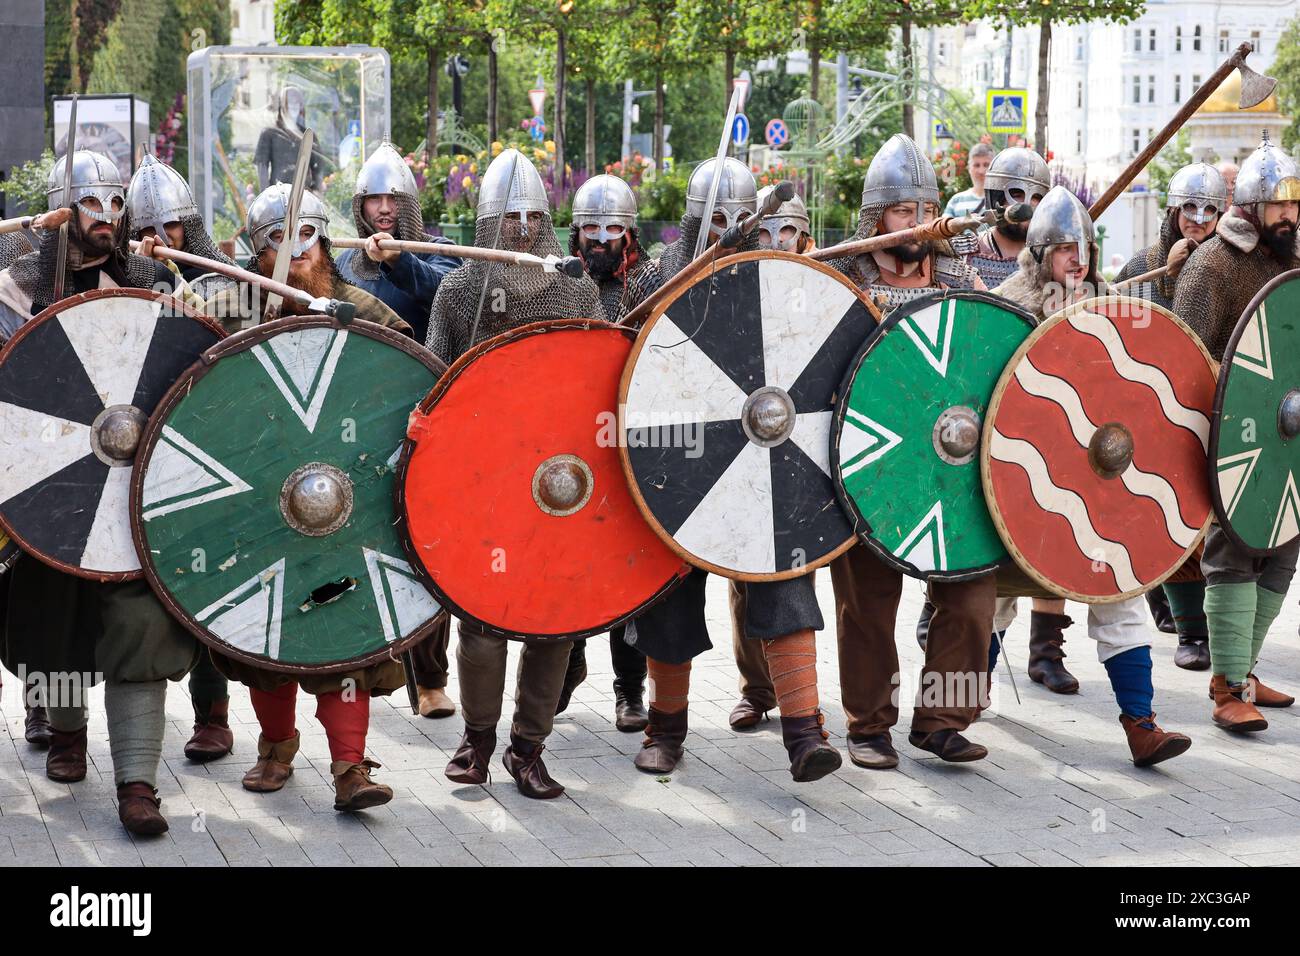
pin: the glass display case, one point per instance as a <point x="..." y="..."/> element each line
<point x="115" y="125"/>
<point x="248" y="107"/>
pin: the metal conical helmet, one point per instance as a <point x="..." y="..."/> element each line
<point x="604" y="201"/>
<point x="900" y="172"/>
<point x="268" y="211"/>
<point x="790" y="213"/>
<point x="1060" y="218"/>
<point x="1018" y="168"/>
<point x="158" y="195"/>
<point x="1201" y="186"/>
<point x="1267" y="175"/>
<point x="511" y="184"/>
<point x="737" y="191"/>
<point x="93" y="174"/>
<point x="386" y="173"/>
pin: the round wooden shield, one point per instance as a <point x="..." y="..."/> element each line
<point x="263" y="502"/>
<point x="514" y="499"/>
<point x="905" y="450"/>
<point x="1095" y="449"/>
<point x="728" y="398"/>
<point x="77" y="384"/>
<point x="1253" y="441"/>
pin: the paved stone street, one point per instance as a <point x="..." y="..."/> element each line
<point x="1057" y="789"/>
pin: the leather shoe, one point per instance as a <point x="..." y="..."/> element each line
<point x="1047" y="653"/>
<point x="1233" y="709"/>
<point x="137" y="808"/>
<point x="746" y="714"/>
<point x="36" y="728"/>
<point x="434" y="702"/>
<point x="1193" y="653"/>
<point x="811" y="757"/>
<point x="212" y="737"/>
<point x="1148" y="743"/>
<point x="470" y="763"/>
<point x="353" y="788"/>
<point x="630" y="715"/>
<point x="874" y="751"/>
<point x="523" y="761"/>
<point x="1160" y="612"/>
<point x="948" y="745"/>
<point x="1268" y="697"/>
<point x="66" y="760"/>
<point x="274" y="764"/>
<point x="662" y="748"/>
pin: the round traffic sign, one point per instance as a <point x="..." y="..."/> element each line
<point x="776" y="132"/>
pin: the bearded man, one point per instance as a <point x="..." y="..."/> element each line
<point x="787" y="229"/>
<point x="1254" y="243"/>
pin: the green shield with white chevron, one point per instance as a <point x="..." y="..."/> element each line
<point x="905" y="449"/>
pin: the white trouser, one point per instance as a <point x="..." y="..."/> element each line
<point x="1116" y="628"/>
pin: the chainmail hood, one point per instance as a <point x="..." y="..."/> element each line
<point x="1031" y="284"/>
<point x="410" y="226"/>
<point x="862" y="269"/>
<point x="197" y="240"/>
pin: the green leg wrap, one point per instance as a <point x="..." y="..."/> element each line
<point x="1187" y="604"/>
<point x="137" y="715"/>
<point x="1230" y="612"/>
<point x="1268" y="607"/>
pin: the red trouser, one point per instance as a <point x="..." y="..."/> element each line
<point x="345" y="721"/>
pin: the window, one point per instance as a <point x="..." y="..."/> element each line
<point x="943" y="51"/>
<point x="1151" y="89"/>
<point x="1137" y="141"/>
<point x="1137" y="89"/>
<point x="1178" y="87"/>
<point x="1223" y="41"/>
<point x="1151" y="40"/>
<point x="1196" y="82"/>
<point x="1196" y="40"/>
<point x="1078" y="141"/>
<point x="1078" y="95"/>
<point x="1137" y="41"/>
<point x="1178" y="39"/>
<point x="1078" y="45"/>
<point x="1255" y="41"/>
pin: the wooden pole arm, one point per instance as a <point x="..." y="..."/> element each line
<point x="944" y="227"/>
<point x="569" y="265"/>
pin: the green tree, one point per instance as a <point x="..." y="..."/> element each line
<point x="1286" y="69"/>
<point x="1044" y="14"/>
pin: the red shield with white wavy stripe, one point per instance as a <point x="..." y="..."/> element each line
<point x="1095" y="458"/>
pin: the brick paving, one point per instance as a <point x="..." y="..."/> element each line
<point x="1058" y="788"/>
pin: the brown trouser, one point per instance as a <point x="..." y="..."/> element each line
<point x="429" y="657"/>
<point x="867" y="593"/>
<point x="481" y="667"/>
<point x="755" y="682"/>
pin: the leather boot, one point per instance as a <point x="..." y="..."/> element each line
<point x="811" y="757"/>
<point x="949" y="745"/>
<point x="874" y="751"/>
<point x="137" y="808"/>
<point x="434" y="702"/>
<point x="662" y="748"/>
<point x="523" y="761"/>
<point x="212" y="738"/>
<point x="36" y="727"/>
<point x="746" y="714"/>
<point x="630" y="715"/>
<point x="1160" y="612"/>
<point x="469" y="764"/>
<point x="353" y="788"/>
<point x="1148" y="743"/>
<point x="923" y="624"/>
<point x="574" y="674"/>
<point x="66" y="760"/>
<point x="1193" y="653"/>
<point x="274" y="764"/>
<point x="1047" y="651"/>
<point x="1268" y="697"/>
<point x="1233" y="712"/>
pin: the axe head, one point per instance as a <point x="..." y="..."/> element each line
<point x="1255" y="87"/>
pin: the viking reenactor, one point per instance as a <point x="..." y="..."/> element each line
<point x="900" y="191"/>
<point x="978" y="163"/>
<point x="1057" y="268"/>
<point x="788" y="228"/>
<point x="1195" y="199"/>
<point x="386" y="205"/>
<point x="342" y="699"/>
<point x="605" y="235"/>
<point x="476" y="301"/>
<point x="72" y="629"/>
<point x="782" y="617"/>
<point x="1253" y="243"/>
<point x="1017" y="175"/>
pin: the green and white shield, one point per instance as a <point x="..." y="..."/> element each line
<point x="905" y="447"/>
<point x="1253" y="435"/>
<point x="263" y="502"/>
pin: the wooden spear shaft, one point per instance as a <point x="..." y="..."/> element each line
<point x="504" y="256"/>
<point x="243" y="275"/>
<point x="942" y="228"/>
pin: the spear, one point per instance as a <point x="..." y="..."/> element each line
<point x="569" y="265"/>
<point x="944" y="227"/>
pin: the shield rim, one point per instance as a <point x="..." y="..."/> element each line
<point x="706" y="274"/>
<point x="846" y="501"/>
<point x="242" y="341"/>
<point x="444" y="383"/>
<point x="47" y="315"/>
<point x="986" y="479"/>
<point x="1220" y="388"/>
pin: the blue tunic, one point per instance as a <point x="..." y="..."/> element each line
<point x="407" y="286"/>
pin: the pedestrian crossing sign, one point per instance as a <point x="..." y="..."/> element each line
<point x="1004" y="110"/>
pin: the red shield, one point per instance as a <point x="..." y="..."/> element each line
<point x="1094" y="456"/>
<point x="515" y="501"/>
